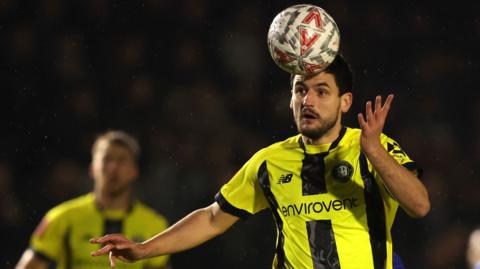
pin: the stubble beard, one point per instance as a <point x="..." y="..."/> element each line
<point x="316" y="133"/>
<point x="115" y="188"/>
<point x="118" y="192"/>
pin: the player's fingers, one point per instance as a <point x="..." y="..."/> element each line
<point x="94" y="240"/>
<point x="123" y="245"/>
<point x="112" y="259"/>
<point x="378" y="103"/>
<point x="368" y="111"/>
<point x="107" y="238"/>
<point x="103" y="250"/>
<point x="388" y="102"/>
<point x="122" y="258"/>
<point x="361" y="121"/>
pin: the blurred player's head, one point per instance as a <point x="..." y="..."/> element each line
<point x="114" y="162"/>
<point x="319" y="100"/>
<point x="473" y="250"/>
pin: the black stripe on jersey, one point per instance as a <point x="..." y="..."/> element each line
<point x="112" y="226"/>
<point x="313" y="168"/>
<point x="42" y="256"/>
<point x="413" y="167"/>
<point x="322" y="244"/>
<point x="375" y="215"/>
<point x="229" y="208"/>
<point x="334" y="144"/>
<point x="264" y="181"/>
<point x="313" y="174"/>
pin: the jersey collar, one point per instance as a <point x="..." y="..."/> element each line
<point x="116" y="214"/>
<point x="323" y="148"/>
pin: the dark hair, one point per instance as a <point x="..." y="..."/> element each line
<point x="342" y="72"/>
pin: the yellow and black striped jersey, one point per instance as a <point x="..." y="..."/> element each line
<point x="62" y="236"/>
<point x="330" y="206"/>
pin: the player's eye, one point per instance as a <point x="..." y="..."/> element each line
<point x="322" y="91"/>
<point x="300" y="90"/>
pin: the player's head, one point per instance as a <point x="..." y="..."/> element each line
<point x="114" y="162"/>
<point x="473" y="249"/>
<point x="319" y="100"/>
<point x="342" y="72"/>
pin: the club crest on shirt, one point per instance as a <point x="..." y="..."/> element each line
<point x="342" y="171"/>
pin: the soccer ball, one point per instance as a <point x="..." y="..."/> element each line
<point x="303" y="39"/>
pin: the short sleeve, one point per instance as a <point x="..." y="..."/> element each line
<point x="242" y="195"/>
<point x="47" y="239"/>
<point x="403" y="159"/>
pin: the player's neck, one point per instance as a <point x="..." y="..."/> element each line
<point x="120" y="201"/>
<point x="327" y="138"/>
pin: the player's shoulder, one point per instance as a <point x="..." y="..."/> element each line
<point x="276" y="150"/>
<point x="385" y="138"/>
<point x="352" y="135"/>
<point x="72" y="206"/>
<point x="147" y="213"/>
<point x="280" y="147"/>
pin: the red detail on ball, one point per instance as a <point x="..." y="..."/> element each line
<point x="283" y="57"/>
<point x="313" y="15"/>
<point x="306" y="42"/>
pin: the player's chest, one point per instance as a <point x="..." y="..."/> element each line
<point x="83" y="228"/>
<point x="322" y="185"/>
<point x="337" y="173"/>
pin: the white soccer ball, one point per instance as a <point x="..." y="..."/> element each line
<point x="303" y="39"/>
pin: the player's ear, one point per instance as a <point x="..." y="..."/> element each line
<point x="291" y="102"/>
<point x="346" y="102"/>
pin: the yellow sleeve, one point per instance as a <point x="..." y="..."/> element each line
<point x="47" y="239"/>
<point x="394" y="149"/>
<point x="157" y="224"/>
<point x="399" y="155"/>
<point x="242" y="195"/>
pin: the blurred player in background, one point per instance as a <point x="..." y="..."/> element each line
<point x="333" y="190"/>
<point x="473" y="250"/>
<point x="61" y="239"/>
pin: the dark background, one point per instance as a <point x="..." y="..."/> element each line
<point x="194" y="81"/>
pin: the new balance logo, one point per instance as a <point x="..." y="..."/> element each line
<point x="285" y="179"/>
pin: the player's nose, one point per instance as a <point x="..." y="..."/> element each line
<point x="308" y="98"/>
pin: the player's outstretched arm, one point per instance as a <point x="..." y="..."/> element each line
<point x="193" y="230"/>
<point x="402" y="183"/>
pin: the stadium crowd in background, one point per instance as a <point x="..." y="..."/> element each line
<point x="194" y="82"/>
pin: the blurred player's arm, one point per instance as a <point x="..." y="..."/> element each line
<point x="193" y="230"/>
<point x="402" y="183"/>
<point x="30" y="260"/>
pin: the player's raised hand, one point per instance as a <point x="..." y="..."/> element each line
<point x="119" y="247"/>
<point x="373" y="122"/>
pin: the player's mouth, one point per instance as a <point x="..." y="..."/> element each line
<point x="113" y="178"/>
<point x="307" y="114"/>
